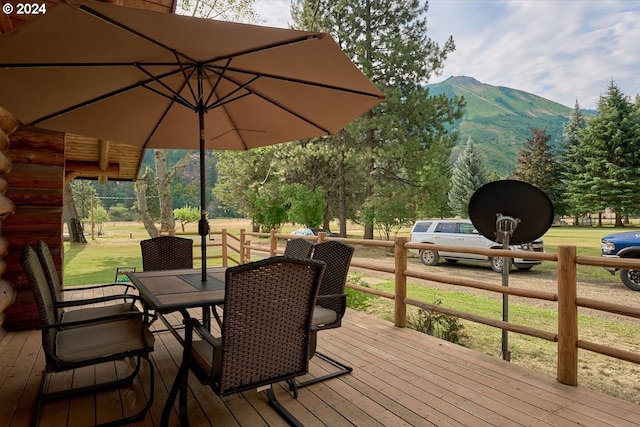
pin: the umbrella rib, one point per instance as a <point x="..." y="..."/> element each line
<point x="91" y="11"/>
<point x="300" y="81"/>
<point x="269" y="100"/>
<point x="98" y="99"/>
<point x="218" y="80"/>
<point x="225" y="99"/>
<point x="176" y="95"/>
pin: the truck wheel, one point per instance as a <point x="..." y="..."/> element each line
<point x="630" y="278"/>
<point x="429" y="257"/>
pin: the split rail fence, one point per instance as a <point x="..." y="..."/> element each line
<point x="238" y="249"/>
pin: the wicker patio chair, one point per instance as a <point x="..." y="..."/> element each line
<point x="122" y="302"/>
<point x="90" y="342"/>
<point x="332" y="300"/>
<point x="265" y="333"/>
<point x="166" y="253"/>
<point x="298" y="248"/>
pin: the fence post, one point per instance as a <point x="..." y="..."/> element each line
<point x="242" y="240"/>
<point x="400" y="256"/>
<point x="567" y="371"/>
<point x="274" y="243"/>
<point x="322" y="236"/>
<point x="225" y="259"/>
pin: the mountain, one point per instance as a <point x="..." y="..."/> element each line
<point x="499" y="119"/>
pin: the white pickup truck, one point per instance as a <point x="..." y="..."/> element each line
<point x="461" y="232"/>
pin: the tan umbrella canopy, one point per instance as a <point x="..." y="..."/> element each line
<point x="160" y="80"/>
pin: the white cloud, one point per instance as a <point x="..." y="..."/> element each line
<point x="560" y="49"/>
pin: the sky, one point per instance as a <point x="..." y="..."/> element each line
<point x="562" y="50"/>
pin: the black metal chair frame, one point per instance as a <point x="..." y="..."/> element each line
<point x="256" y="319"/>
<point x="52" y="331"/>
<point x="57" y="292"/>
<point x="337" y="257"/>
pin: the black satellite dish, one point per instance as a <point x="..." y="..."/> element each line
<point x="525" y="209"/>
<point x="507" y="212"/>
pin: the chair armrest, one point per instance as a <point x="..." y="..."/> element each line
<point x="74" y="303"/>
<point x="329" y="296"/>
<point x="111" y="318"/>
<point x="204" y="333"/>
<point x="104" y="285"/>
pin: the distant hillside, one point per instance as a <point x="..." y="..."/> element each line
<point x="498" y="119"/>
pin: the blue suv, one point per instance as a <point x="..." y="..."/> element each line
<point x="624" y="245"/>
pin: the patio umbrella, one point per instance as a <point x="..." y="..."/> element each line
<point x="161" y="80"/>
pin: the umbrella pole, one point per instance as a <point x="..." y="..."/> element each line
<point x="203" y="224"/>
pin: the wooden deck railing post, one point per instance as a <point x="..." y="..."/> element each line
<point x="567" y="316"/>
<point x="322" y="236"/>
<point x="273" y="240"/>
<point x="225" y="259"/>
<point x="400" y="255"/>
<point x="242" y="241"/>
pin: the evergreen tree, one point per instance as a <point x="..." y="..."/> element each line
<point x="538" y="165"/>
<point x="612" y="155"/>
<point x="388" y="42"/>
<point x="468" y="175"/>
<point x="573" y="164"/>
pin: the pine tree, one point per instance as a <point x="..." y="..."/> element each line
<point x="388" y="41"/>
<point x="538" y="165"/>
<point x="612" y="155"/>
<point x="573" y="164"/>
<point x="468" y="175"/>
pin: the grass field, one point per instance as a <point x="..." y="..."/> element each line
<point x="96" y="262"/>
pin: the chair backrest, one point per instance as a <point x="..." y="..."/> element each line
<point x="166" y="253"/>
<point x="298" y="248"/>
<point x="50" y="272"/>
<point x="40" y="288"/>
<point x="268" y="308"/>
<point x="337" y="257"/>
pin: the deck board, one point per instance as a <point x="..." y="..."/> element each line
<point x="401" y="378"/>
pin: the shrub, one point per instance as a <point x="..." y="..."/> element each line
<point x="437" y="324"/>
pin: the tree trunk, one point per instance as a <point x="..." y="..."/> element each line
<point x="74" y="225"/>
<point x="167" y="223"/>
<point x="143" y="210"/>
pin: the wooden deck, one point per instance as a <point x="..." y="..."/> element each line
<point x="400" y="378"/>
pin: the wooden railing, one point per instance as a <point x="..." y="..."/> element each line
<point x="566" y="297"/>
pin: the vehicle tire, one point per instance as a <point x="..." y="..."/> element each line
<point x="451" y="260"/>
<point x="429" y="257"/>
<point x="630" y="278"/>
<point x="496" y="264"/>
<point x="523" y="267"/>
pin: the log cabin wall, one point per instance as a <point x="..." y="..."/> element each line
<point x="36" y="187"/>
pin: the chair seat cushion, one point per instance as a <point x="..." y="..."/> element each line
<point x="202" y="355"/>
<point x="95" y="312"/>
<point x="323" y="316"/>
<point x="102" y="340"/>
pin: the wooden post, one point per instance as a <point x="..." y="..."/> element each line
<point x="567" y="316"/>
<point x="273" y="244"/>
<point x="400" y="256"/>
<point x="225" y="259"/>
<point x="247" y="251"/>
<point x="242" y="239"/>
<point x="322" y="236"/>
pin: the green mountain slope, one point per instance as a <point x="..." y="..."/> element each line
<point x="499" y="119"/>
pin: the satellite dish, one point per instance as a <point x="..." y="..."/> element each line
<point x="523" y="210"/>
<point x="510" y="211"/>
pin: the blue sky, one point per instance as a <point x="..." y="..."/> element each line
<point x="562" y="50"/>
